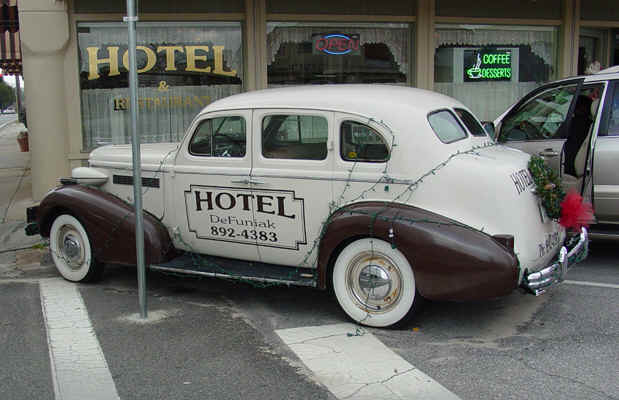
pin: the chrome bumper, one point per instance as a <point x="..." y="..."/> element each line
<point x="538" y="282"/>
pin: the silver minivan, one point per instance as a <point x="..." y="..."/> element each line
<point x="574" y="125"/>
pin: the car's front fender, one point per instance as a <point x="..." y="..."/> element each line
<point x="110" y="223"/>
<point x="450" y="261"/>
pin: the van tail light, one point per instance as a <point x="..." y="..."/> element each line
<point x="506" y="241"/>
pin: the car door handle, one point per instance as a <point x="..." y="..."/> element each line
<point x="548" y="153"/>
<point x="248" y="182"/>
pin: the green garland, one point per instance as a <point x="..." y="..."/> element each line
<point x="547" y="186"/>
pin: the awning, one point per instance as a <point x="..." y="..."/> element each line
<point x="10" y="48"/>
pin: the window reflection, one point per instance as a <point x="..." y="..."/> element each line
<point x="312" y="53"/>
<point x="182" y="67"/>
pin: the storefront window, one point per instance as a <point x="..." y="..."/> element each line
<point x="314" y="53"/>
<point x="182" y="67"/>
<point x="592" y="48"/>
<point x="489" y="67"/>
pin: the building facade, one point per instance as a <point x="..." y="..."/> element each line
<point x="190" y="53"/>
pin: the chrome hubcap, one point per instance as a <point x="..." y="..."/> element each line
<point x="374" y="282"/>
<point x="70" y="247"/>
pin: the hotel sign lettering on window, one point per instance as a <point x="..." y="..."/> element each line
<point x="487" y="65"/>
<point x="158" y="58"/>
<point x="182" y="67"/>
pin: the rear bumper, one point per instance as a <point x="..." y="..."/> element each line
<point x="573" y="252"/>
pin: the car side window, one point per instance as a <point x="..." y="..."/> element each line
<point x="297" y="137"/>
<point x="361" y="143"/>
<point x="219" y="137"/>
<point x="446" y="126"/>
<point x="541" y="117"/>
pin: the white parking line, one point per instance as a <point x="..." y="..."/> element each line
<point x="79" y="369"/>
<point x="594" y="284"/>
<point x="359" y="367"/>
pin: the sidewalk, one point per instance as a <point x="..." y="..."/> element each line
<point x="15" y="190"/>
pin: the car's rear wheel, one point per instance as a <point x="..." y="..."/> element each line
<point x="374" y="283"/>
<point x="72" y="251"/>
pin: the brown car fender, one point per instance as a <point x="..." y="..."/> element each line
<point x="109" y="222"/>
<point x="450" y="261"/>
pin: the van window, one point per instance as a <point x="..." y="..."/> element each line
<point x="613" y="122"/>
<point x="297" y="137"/>
<point x="541" y="117"/>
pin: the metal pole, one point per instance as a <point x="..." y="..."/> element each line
<point x="131" y="19"/>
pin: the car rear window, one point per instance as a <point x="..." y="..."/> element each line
<point x="470" y="122"/>
<point x="446" y="126"/>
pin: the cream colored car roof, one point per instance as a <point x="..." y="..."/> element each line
<point x="393" y="104"/>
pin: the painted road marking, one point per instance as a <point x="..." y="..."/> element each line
<point x="79" y="369"/>
<point x="359" y="367"/>
<point x="594" y="284"/>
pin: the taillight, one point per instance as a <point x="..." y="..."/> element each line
<point x="506" y="241"/>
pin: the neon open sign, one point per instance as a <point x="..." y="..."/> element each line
<point x="336" y="44"/>
<point x="487" y="65"/>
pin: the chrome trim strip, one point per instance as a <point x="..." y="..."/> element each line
<point x="237" y="277"/>
<point x="391" y="181"/>
<point x="538" y="282"/>
<point x="167" y="168"/>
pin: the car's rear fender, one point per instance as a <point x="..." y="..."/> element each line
<point x="450" y="260"/>
<point x="110" y="223"/>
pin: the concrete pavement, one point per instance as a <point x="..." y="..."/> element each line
<point x="15" y="188"/>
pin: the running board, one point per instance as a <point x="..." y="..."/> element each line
<point x="198" y="264"/>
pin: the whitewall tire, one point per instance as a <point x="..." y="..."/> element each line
<point x="72" y="251"/>
<point x="374" y="283"/>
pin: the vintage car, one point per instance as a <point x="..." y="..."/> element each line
<point x="384" y="194"/>
<point x="574" y="125"/>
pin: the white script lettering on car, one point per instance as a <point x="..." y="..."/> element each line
<point x="522" y="180"/>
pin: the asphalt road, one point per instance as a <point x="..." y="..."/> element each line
<point x="209" y="338"/>
<point x="7" y="117"/>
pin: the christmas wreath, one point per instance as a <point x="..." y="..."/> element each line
<point x="570" y="210"/>
<point x="547" y="186"/>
